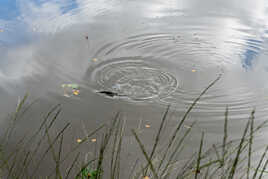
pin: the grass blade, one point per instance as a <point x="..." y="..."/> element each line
<point x="73" y="163"/>
<point x="233" y="169"/>
<point x="145" y="153"/>
<point x="199" y="156"/>
<point x="184" y="118"/>
<point x="30" y="158"/>
<point x="250" y="142"/>
<point x="260" y="162"/>
<point x="225" y="136"/>
<point x="177" y="147"/>
<point x="263" y="169"/>
<point x="50" y="146"/>
<point x="58" y="158"/>
<point x="105" y="142"/>
<point x="158" y="136"/>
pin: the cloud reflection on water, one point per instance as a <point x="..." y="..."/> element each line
<point x="43" y="46"/>
<point x="38" y="27"/>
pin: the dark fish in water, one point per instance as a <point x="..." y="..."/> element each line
<point x="108" y="93"/>
<point x="111" y="94"/>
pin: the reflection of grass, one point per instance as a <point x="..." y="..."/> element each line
<point x="227" y="160"/>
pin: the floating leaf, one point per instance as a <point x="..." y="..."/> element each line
<point x="70" y="89"/>
<point x="147" y="126"/>
<point x="79" y="140"/>
<point x="188" y="127"/>
<point x="76" y="92"/>
<point x="94" y="59"/>
<point x="93" y="140"/>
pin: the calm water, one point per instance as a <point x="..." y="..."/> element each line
<point x="150" y="53"/>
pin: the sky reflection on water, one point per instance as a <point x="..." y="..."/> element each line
<point x="44" y="45"/>
<point x="47" y="43"/>
<point x="42" y="38"/>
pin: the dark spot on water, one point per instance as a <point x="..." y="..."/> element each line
<point x="132" y="77"/>
<point x="108" y="93"/>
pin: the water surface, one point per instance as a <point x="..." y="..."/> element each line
<point x="152" y="54"/>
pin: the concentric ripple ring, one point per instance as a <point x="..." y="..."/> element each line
<point x="133" y="78"/>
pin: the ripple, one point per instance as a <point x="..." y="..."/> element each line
<point x="174" y="47"/>
<point x="133" y="78"/>
<point x="140" y="67"/>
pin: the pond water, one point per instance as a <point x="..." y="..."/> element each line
<point x="147" y="54"/>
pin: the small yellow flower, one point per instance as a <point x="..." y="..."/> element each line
<point x="193" y="70"/>
<point x="146" y="177"/>
<point x="93" y="140"/>
<point x="147" y="126"/>
<point x="1" y="30"/>
<point x="76" y="92"/>
<point x="79" y="140"/>
<point x="94" y="59"/>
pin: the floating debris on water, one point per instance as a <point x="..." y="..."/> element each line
<point x="66" y="95"/>
<point x="79" y="140"/>
<point x="94" y="59"/>
<point x="147" y="126"/>
<point x="188" y="127"/>
<point x="108" y="93"/>
<point x="76" y="92"/>
<point x="70" y="90"/>
<point x="93" y="140"/>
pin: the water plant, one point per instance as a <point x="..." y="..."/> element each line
<point x="227" y="159"/>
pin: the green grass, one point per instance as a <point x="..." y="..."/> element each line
<point x="227" y="159"/>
